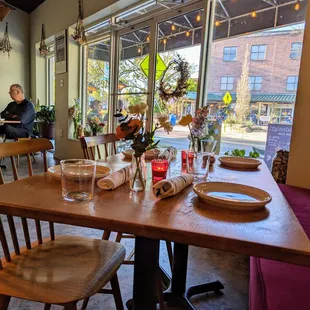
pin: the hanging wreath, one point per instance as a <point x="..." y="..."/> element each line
<point x="182" y="67"/>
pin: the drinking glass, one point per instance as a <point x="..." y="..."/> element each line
<point x="198" y="165"/>
<point x="77" y="179"/>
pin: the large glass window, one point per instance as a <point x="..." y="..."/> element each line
<point x="96" y="103"/>
<point x="258" y="52"/>
<point x="227" y="83"/>
<point x="256" y="82"/>
<point x="230" y="53"/>
<point x="50" y="89"/>
<point x="292" y="82"/>
<point x="296" y="48"/>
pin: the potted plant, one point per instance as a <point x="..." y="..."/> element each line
<point x="46" y="121"/>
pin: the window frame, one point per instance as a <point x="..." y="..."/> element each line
<point x="258" y="52"/>
<point x="229" y="53"/>
<point x="295" y="83"/>
<point x="297" y="51"/>
<point x="227" y="83"/>
<point x="255" y="82"/>
<point x="50" y="84"/>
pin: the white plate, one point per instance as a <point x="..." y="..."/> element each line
<point x="240" y="162"/>
<point x="151" y="154"/>
<point x="101" y="172"/>
<point x="232" y="196"/>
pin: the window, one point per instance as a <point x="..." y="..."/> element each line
<point x="230" y="53"/>
<point x="256" y="82"/>
<point x="296" y="48"/>
<point x="50" y="79"/>
<point x="258" y="52"/>
<point x="227" y="83"/>
<point x="292" y="82"/>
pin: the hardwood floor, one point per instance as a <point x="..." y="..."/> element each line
<point x="204" y="265"/>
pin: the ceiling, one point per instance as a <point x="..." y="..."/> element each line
<point x="25" y="5"/>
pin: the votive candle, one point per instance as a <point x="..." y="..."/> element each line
<point x="159" y="169"/>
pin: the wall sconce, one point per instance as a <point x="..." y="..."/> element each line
<point x="5" y="9"/>
<point x="5" y="45"/>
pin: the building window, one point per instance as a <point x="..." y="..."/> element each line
<point x="230" y="53"/>
<point x="292" y="82"/>
<point x="258" y="52"/>
<point x="227" y="83"/>
<point x="296" y="48"/>
<point x="256" y="82"/>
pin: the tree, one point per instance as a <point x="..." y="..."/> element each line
<point x="243" y="91"/>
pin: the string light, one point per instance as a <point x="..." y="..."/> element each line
<point x="187" y="33"/>
<point x="297" y="6"/>
<point x="164" y="40"/>
<point x="148" y="39"/>
<point x="254" y="14"/>
<point x="139" y="49"/>
<point x="198" y="17"/>
<point x="173" y="27"/>
<point x="217" y="23"/>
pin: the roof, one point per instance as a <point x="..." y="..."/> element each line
<point x="262" y="97"/>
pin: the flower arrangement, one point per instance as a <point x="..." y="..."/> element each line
<point x="202" y="125"/>
<point x="95" y="125"/>
<point x="132" y="127"/>
<point x="75" y="114"/>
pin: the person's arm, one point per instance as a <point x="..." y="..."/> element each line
<point x="6" y="113"/>
<point x="27" y="115"/>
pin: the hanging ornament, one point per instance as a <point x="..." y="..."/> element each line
<point x="297" y="6"/>
<point x="5" y="45"/>
<point x="43" y="47"/>
<point x="79" y="32"/>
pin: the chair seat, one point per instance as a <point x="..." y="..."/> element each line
<point x="61" y="271"/>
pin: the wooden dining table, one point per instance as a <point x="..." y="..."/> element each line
<point x="272" y="232"/>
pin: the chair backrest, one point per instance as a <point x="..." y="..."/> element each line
<point x="91" y="144"/>
<point x="10" y="150"/>
<point x="25" y="147"/>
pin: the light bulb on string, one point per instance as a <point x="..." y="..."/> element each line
<point x="173" y="27"/>
<point x="254" y="14"/>
<point x="148" y="39"/>
<point x="187" y="33"/>
<point x="217" y="23"/>
<point x="198" y="17"/>
<point x="164" y="40"/>
<point x="139" y="49"/>
<point x="297" y="6"/>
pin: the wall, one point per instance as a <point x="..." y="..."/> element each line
<point x="16" y="68"/>
<point x="58" y="15"/>
<point x="299" y="164"/>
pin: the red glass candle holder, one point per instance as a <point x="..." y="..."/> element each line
<point x="184" y="157"/>
<point x="159" y="169"/>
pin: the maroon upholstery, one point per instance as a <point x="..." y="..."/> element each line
<point x="281" y="286"/>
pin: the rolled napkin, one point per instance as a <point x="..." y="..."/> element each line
<point x="171" y="187"/>
<point x="115" y="179"/>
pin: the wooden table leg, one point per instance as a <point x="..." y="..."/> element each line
<point x="145" y="274"/>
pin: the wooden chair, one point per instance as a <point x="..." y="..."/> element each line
<point x="91" y="144"/>
<point x="32" y="155"/>
<point x="60" y="270"/>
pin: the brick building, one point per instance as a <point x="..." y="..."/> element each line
<point x="274" y="60"/>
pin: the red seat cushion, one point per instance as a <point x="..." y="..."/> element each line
<point x="281" y="286"/>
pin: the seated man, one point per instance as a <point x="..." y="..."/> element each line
<point x="21" y="109"/>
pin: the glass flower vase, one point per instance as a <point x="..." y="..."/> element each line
<point x="138" y="171"/>
<point x="194" y="145"/>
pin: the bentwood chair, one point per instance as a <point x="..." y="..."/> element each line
<point x="60" y="270"/>
<point x="91" y="145"/>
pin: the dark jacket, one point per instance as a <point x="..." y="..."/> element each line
<point x="24" y="112"/>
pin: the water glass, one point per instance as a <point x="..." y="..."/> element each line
<point x="198" y="165"/>
<point x="78" y="179"/>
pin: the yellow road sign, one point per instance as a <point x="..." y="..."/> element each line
<point x="160" y="66"/>
<point x="227" y="98"/>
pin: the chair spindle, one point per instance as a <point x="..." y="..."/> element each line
<point x="26" y="233"/>
<point x="13" y="234"/>
<point x="30" y="170"/>
<point x="15" y="173"/>
<point x="4" y="243"/>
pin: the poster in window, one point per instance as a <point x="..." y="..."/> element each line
<point x="61" y="52"/>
